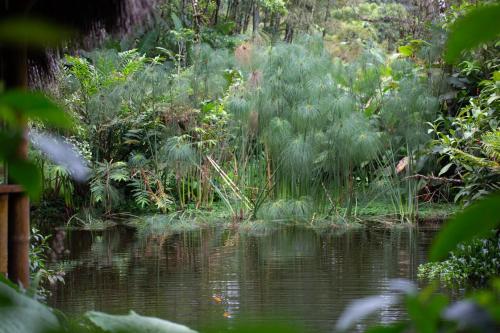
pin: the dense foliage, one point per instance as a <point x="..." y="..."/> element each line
<point x="467" y="134"/>
<point x="259" y="123"/>
<point x="253" y="128"/>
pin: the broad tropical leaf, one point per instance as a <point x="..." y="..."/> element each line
<point x="36" y="106"/>
<point x="32" y="32"/>
<point x="20" y="313"/>
<point x="478" y="26"/>
<point x="134" y="323"/>
<point x="26" y="174"/>
<point x="476" y="220"/>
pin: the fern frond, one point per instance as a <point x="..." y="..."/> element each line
<point x="491" y="145"/>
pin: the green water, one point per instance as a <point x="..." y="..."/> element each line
<point x="215" y="277"/>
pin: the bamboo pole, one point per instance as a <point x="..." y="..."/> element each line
<point x="4" y="199"/>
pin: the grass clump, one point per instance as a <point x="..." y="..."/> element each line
<point x="180" y="221"/>
<point x="163" y="224"/>
<point x="88" y="219"/>
<point x="287" y="211"/>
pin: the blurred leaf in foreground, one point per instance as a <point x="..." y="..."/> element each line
<point x="361" y="308"/>
<point x="16" y="107"/>
<point x="35" y="106"/>
<point x="265" y="326"/>
<point x="475" y="221"/>
<point x="478" y="26"/>
<point x="134" y="323"/>
<point x="28" y="175"/>
<point x="33" y="32"/>
<point x="20" y="313"/>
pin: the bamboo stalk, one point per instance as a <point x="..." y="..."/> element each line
<point x="231" y="184"/>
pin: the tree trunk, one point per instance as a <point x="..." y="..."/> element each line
<point x="288" y="33"/>
<point x="246" y="17"/>
<point x="216" y="12"/>
<point x="196" y="18"/>
<point x="183" y="11"/>
<point x="267" y="19"/>
<point x="15" y="77"/>
<point x="276" y="25"/>
<point x="228" y="10"/>
<point x="327" y="16"/>
<point x="256" y="18"/>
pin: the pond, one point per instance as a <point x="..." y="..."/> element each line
<point x="214" y="277"/>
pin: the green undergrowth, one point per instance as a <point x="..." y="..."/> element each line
<point x="426" y="212"/>
<point x="437" y="212"/>
<point x="474" y="264"/>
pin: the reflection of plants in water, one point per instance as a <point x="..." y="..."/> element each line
<point x="257" y="228"/>
<point x="41" y="272"/>
<point x="288" y="244"/>
<point x="105" y="252"/>
<point x="99" y="250"/>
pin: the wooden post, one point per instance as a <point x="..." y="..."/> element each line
<point x="4" y="199"/>
<point x="14" y="72"/>
<point x="19" y="239"/>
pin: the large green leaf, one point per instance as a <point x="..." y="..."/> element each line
<point x="20" y="313"/>
<point x="9" y="140"/>
<point x="475" y="221"/>
<point x="478" y="26"/>
<point x="27" y="175"/>
<point x="32" y="32"/>
<point x="7" y="115"/>
<point x="36" y="106"/>
<point x="134" y="323"/>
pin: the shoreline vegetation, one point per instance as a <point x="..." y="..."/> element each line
<point x="269" y="130"/>
<point x="371" y="216"/>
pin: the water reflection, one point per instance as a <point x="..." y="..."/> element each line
<point x="203" y="278"/>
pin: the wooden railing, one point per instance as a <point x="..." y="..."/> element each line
<point x="14" y="233"/>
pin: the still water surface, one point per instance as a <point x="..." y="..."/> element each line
<point x="214" y="277"/>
